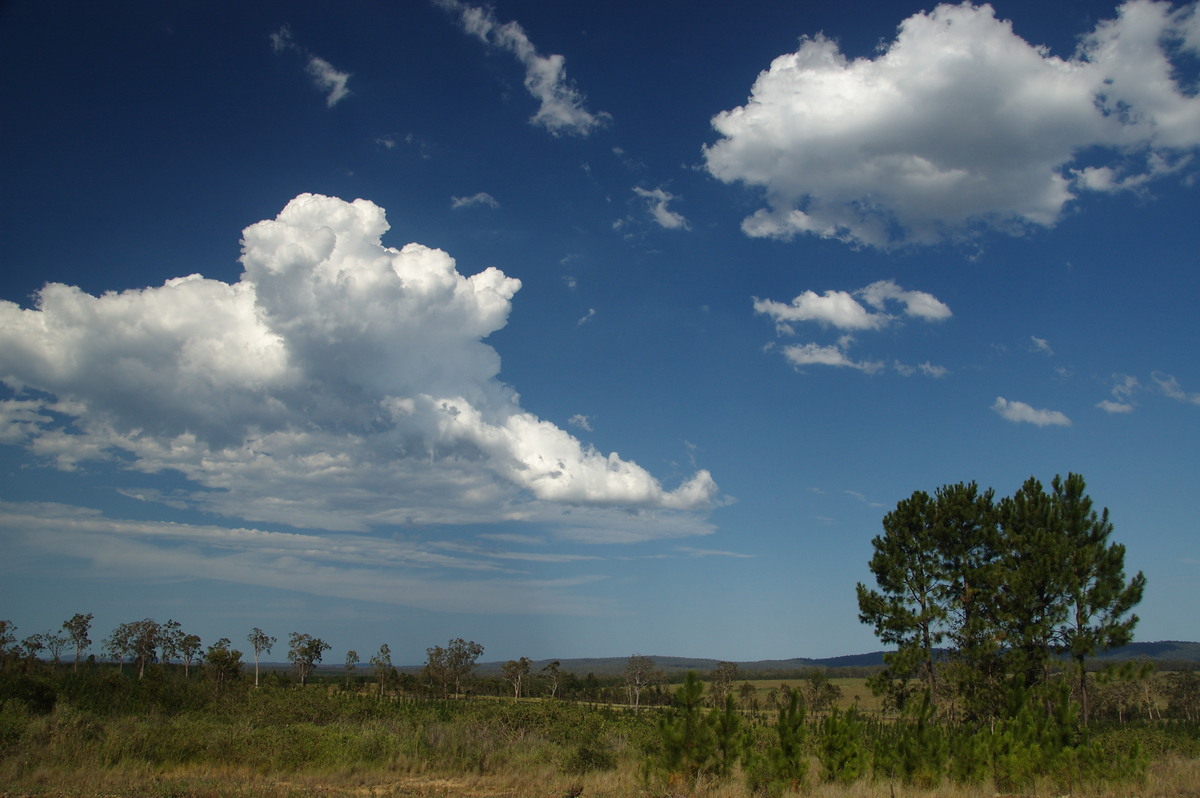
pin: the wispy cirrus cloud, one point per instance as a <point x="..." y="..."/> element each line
<point x="388" y="570"/>
<point x="561" y="106"/>
<point x="333" y="82"/>
<point x="1171" y="387"/>
<point x="480" y="198"/>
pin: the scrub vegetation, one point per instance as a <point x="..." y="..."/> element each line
<point x="995" y="609"/>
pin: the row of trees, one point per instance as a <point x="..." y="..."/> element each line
<point x="977" y="593"/>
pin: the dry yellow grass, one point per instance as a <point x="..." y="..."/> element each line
<point x="1169" y="778"/>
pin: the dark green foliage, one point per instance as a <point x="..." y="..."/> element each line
<point x="842" y="747"/>
<point x="913" y="749"/>
<point x="687" y="743"/>
<point x="783" y="766"/>
<point x="1004" y="586"/>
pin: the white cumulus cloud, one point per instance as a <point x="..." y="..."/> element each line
<point x="657" y="200"/>
<point x="844" y="311"/>
<point x="1020" y="412"/>
<point x="339" y="384"/>
<point x="561" y="108"/>
<point x="958" y="125"/>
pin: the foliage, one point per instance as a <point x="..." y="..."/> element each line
<point x="842" y="749"/>
<point x="304" y="653"/>
<point x="976" y="593"/>
<point x="261" y="643"/>
<point x="136" y="640"/>
<point x="783" y="766"/>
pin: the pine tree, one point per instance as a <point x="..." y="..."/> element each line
<point x="1099" y="599"/>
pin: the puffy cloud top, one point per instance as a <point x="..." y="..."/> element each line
<point x="340" y="383"/>
<point x="958" y="124"/>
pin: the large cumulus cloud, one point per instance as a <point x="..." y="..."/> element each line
<point x="960" y="124"/>
<point x="340" y="384"/>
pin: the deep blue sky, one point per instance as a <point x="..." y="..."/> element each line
<point x="780" y="264"/>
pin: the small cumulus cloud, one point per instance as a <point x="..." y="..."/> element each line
<point x="1040" y="345"/>
<point x="842" y="309"/>
<point x="1022" y="413"/>
<point x="482" y="198"/>
<point x="958" y="125"/>
<point x="866" y="309"/>
<point x="581" y="421"/>
<point x="561" y="106"/>
<point x="663" y="216"/>
<point x="1125" y="387"/>
<point x="586" y="317"/>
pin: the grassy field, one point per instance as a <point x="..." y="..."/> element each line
<point x="111" y="735"/>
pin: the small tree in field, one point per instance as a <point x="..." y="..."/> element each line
<point x="77" y="628"/>
<point x="261" y="642"/>
<point x="381" y="664"/>
<point x="55" y="643"/>
<point x="639" y="674"/>
<point x="137" y="640"/>
<point x="515" y="673"/>
<point x="224" y="664"/>
<point x="305" y="652"/>
<point x="189" y="650"/>
<point x="552" y="673"/>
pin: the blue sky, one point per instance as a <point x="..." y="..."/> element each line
<point x="580" y="329"/>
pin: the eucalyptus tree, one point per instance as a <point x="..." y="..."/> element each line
<point x="77" y="627"/>
<point x="305" y="652"/>
<point x="515" y="673"/>
<point x="262" y="643"/>
<point x="381" y="664"/>
<point x="55" y="643"/>
<point x="223" y="663"/>
<point x="137" y="640"/>
<point x="639" y="674"/>
<point x="189" y="651"/>
<point x="552" y="673"/>
<point x="7" y="638"/>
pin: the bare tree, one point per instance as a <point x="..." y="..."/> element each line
<point x="639" y="674"/>
<point x="262" y="642"/>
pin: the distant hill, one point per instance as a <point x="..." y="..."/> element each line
<point x="1165" y="653"/>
